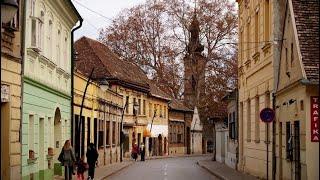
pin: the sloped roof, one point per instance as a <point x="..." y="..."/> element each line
<point x="156" y="92"/>
<point x="109" y="66"/>
<point x="177" y="105"/>
<point x="92" y="53"/>
<point x="306" y="14"/>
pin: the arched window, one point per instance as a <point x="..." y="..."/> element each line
<point x="32" y="7"/>
<point x="49" y="39"/>
<point x="58" y="58"/>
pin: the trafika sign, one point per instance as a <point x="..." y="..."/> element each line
<point x="314" y="118"/>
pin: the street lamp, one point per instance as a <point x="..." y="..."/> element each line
<point x="9" y="8"/>
<point x="135" y="107"/>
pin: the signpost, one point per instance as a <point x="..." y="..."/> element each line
<point x="267" y="116"/>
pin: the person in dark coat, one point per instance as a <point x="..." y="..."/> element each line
<point x="135" y="151"/>
<point x="67" y="159"/>
<point x="92" y="157"/>
<point x="142" y="152"/>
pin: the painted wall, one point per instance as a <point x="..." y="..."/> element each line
<point x="99" y="104"/>
<point x="47" y="89"/>
<point x="255" y="67"/>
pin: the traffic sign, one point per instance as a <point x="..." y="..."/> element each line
<point x="267" y="115"/>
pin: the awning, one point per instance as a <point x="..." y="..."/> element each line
<point x="146" y="133"/>
<point x="158" y="129"/>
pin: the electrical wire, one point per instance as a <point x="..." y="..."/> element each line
<point x="93" y="11"/>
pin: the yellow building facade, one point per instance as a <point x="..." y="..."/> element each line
<point x="11" y="61"/>
<point x="137" y="125"/>
<point x="101" y="116"/>
<point x="297" y="93"/>
<point x="255" y="75"/>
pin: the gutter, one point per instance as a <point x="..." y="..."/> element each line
<point x="73" y="58"/>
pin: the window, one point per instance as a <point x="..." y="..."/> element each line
<point x="256" y="37"/>
<point x="139" y="109"/>
<point x="301" y="105"/>
<point x="113" y="132"/>
<point x="155" y="110"/>
<point x="232" y="127"/>
<point x="100" y="133"/>
<point x="65" y="58"/>
<point x="32" y="8"/>
<point x="160" y="111"/>
<point x="150" y="110"/>
<point x="34" y="32"/>
<point x="144" y="107"/>
<point x="88" y="130"/>
<point x="31" y="134"/>
<point x="49" y="42"/>
<point x="289" y="143"/>
<point x="248" y="40"/>
<point x="165" y="111"/>
<point x="41" y="30"/>
<point x="58" y="48"/>
<point x="127" y="104"/>
<point x="241" y="47"/>
<point x="257" y="119"/>
<point x="95" y="136"/>
<point x="248" y="120"/>
<point x="108" y="133"/>
<point x="266" y="20"/>
<point x="50" y="133"/>
<point x="133" y="110"/>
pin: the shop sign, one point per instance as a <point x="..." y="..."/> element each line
<point x="314" y="119"/>
<point x="5" y="93"/>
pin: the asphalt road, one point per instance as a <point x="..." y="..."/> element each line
<point x="181" y="168"/>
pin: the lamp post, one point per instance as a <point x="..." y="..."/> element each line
<point x="9" y="9"/>
<point x="135" y="107"/>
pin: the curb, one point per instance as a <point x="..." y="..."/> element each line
<point x="114" y="172"/>
<point x="211" y="172"/>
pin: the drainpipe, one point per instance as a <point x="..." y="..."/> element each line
<point x="237" y="124"/>
<point x="73" y="60"/>
<point x="276" y="83"/>
<point x="22" y="52"/>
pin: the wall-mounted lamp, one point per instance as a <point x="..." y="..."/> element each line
<point x="291" y="101"/>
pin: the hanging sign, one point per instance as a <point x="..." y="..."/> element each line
<point x="314" y="119"/>
<point x="267" y="115"/>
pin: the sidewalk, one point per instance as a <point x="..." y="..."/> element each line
<point x="103" y="172"/>
<point x="224" y="172"/>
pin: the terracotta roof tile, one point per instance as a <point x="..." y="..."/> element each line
<point x="177" y="105"/>
<point x="108" y="65"/>
<point x="306" y="14"/>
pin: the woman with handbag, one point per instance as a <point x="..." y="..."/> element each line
<point x="67" y="159"/>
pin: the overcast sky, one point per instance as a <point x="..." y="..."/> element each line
<point x="92" y="21"/>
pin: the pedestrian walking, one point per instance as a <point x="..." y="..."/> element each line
<point x="92" y="157"/>
<point x="142" y="152"/>
<point x="135" y="151"/>
<point x="67" y="159"/>
<point x="81" y="168"/>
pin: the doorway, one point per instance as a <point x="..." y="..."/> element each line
<point x="5" y="119"/>
<point x="188" y="140"/>
<point x="57" y="132"/>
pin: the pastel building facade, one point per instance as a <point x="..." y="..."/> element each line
<point x="46" y="117"/>
<point x="100" y="119"/>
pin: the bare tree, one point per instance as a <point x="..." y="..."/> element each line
<point x="155" y="36"/>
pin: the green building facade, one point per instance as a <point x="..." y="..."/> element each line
<point x="46" y="107"/>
